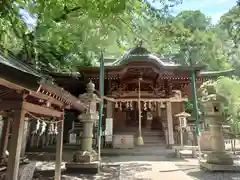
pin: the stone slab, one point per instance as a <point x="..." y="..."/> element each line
<point x="216" y="167"/>
<point x="82" y="168"/>
<point x="169" y="146"/>
<point x="184" y="147"/>
<point x="179" y="149"/>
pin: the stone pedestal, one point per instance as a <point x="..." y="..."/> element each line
<point x="85" y="160"/>
<point x="218" y="154"/>
<point x="83" y="168"/>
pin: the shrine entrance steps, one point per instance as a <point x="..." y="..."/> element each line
<point x="153" y="138"/>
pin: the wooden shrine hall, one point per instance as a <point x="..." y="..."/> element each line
<point x="159" y="85"/>
<point x="26" y="95"/>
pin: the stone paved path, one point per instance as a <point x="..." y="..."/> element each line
<point x="191" y="168"/>
<point x="132" y="170"/>
<point x="146" y="168"/>
<point x="152" y="171"/>
<point x="157" y="165"/>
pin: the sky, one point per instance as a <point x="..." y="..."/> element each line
<point x="212" y="8"/>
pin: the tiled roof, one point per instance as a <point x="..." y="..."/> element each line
<point x="14" y="63"/>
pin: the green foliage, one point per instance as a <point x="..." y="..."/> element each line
<point x="230" y="88"/>
<point x="68" y="34"/>
<point x="230" y="22"/>
<point x="193" y="20"/>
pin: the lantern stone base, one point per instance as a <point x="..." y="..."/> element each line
<point x="221" y="158"/>
<point x="84" y="162"/>
<point x="83" y="168"/>
<point x="219" y="167"/>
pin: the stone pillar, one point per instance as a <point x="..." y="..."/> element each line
<point x="170" y="125"/>
<point x="87" y="136"/>
<point x="218" y="144"/>
<point x="84" y="160"/>
<point x="218" y="154"/>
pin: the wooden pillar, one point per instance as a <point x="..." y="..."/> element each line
<point x="4" y="137"/>
<point x="110" y="109"/>
<point x="158" y="109"/>
<point x="170" y="124"/>
<point x="15" y="144"/>
<point x="59" y="148"/>
<point x="109" y="123"/>
<point x="25" y="137"/>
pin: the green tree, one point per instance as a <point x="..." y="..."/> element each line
<point x="67" y="34"/>
<point x="194" y="38"/>
<point x="230" y="22"/>
<point x="193" y="20"/>
<point x="230" y="88"/>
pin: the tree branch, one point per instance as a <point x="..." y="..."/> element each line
<point x="66" y="12"/>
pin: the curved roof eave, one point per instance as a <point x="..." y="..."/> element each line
<point x="228" y="72"/>
<point x="155" y="60"/>
<point x="144" y="57"/>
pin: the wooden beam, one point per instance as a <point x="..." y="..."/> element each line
<point x="46" y="98"/>
<point x="59" y="148"/>
<point x="15" y="144"/>
<point x="9" y="105"/>
<point x="40" y="110"/>
<point x="125" y="99"/>
<point x="15" y="105"/>
<point x="10" y="85"/>
<point x="61" y="93"/>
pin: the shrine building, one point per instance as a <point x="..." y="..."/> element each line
<point x="160" y="85"/>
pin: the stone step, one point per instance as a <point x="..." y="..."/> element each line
<point x="160" y="145"/>
<point x="152" y="133"/>
<point x="153" y="141"/>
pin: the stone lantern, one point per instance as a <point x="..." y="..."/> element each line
<point x="85" y="160"/>
<point x="218" y="159"/>
<point x="213" y="114"/>
<point x="182" y="117"/>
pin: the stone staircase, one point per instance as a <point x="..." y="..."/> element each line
<point x="153" y="138"/>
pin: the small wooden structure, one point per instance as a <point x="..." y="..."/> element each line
<point x="26" y="93"/>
